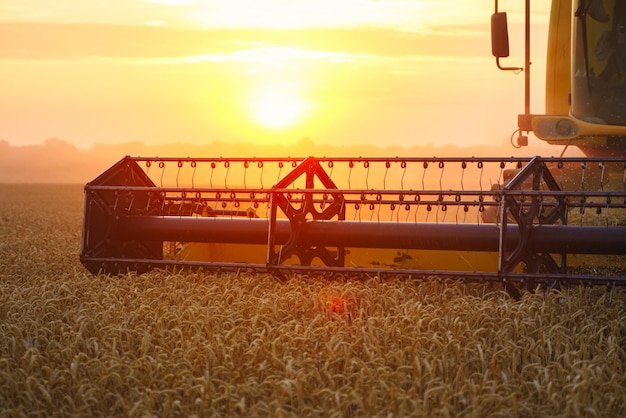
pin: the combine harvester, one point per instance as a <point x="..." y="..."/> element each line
<point x="522" y="222"/>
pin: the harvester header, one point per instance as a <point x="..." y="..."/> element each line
<point x="415" y="217"/>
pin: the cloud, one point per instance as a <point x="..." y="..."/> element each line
<point x="76" y="41"/>
<point x="219" y="14"/>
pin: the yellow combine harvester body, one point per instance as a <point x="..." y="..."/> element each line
<point x="585" y="77"/>
<point x="510" y="220"/>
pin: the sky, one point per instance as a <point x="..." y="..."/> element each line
<point x="342" y="72"/>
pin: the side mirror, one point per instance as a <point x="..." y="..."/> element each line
<point x="499" y="35"/>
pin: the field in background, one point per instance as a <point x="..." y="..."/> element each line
<point x="243" y="345"/>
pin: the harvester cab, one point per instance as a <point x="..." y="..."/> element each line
<point x="585" y="76"/>
<point x="414" y="217"/>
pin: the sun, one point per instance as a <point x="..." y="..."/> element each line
<point x="278" y="106"/>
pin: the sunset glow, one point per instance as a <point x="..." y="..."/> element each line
<point x="282" y="14"/>
<point x="277" y="106"/>
<point x="354" y="72"/>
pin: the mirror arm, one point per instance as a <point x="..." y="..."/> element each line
<point x="507" y="68"/>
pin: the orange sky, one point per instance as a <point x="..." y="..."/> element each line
<point x="373" y="72"/>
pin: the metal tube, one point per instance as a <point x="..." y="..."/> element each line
<point x="188" y="229"/>
<point x="442" y="236"/>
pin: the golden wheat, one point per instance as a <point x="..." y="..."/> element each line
<point x="199" y="344"/>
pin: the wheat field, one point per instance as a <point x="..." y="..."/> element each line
<point x="202" y="344"/>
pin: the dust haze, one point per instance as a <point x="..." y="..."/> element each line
<point x="59" y="162"/>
